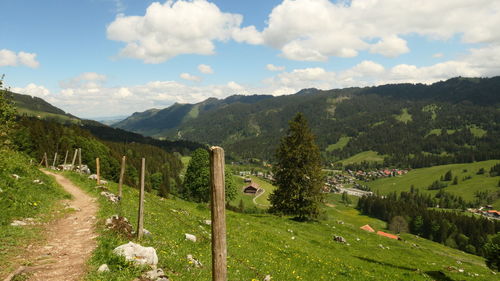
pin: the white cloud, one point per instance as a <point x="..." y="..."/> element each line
<point x="437" y="55"/>
<point x="314" y="30"/>
<point x="178" y="27"/>
<point x="189" y="77"/>
<point x="205" y="69"/>
<point x="10" y="58"/>
<point x="88" y="80"/>
<point x="272" y="67"/>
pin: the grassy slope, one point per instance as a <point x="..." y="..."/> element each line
<point x="368" y="156"/>
<point x="266" y="244"/>
<point x="47" y="115"/>
<point x="341" y="143"/>
<point x="422" y="178"/>
<point x="404" y="117"/>
<point x="21" y="199"/>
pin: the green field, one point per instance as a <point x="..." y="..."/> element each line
<point x="422" y="178"/>
<point x="477" y="132"/>
<point x="47" y="115"/>
<point x="262" y="201"/>
<point x="367" y="156"/>
<point x="405" y="116"/>
<point x="341" y="143"/>
<point x="265" y="244"/>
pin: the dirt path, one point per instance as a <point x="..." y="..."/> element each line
<point x="71" y="239"/>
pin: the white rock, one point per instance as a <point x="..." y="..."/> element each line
<point x="155" y="274"/>
<point x="137" y="253"/>
<point x="37" y="181"/>
<point x="93" y="177"/>
<point x="190" y="237"/>
<point x="193" y="261"/>
<point x="103" y="181"/>
<point x="207" y="222"/>
<point x="1" y="190"/>
<point x="267" y="278"/>
<point x="103" y="268"/>
<point x="111" y="197"/>
<point x="18" y="223"/>
<point x="146" y="232"/>
<point x="16" y="176"/>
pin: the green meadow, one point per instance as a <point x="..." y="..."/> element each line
<point x="422" y="178"/>
<point x="262" y="244"/>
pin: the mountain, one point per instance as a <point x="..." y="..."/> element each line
<point x="415" y="125"/>
<point x="37" y="107"/>
<point x="156" y="122"/>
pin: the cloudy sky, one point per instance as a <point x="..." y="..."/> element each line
<point x="98" y="58"/>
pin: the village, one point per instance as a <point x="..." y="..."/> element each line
<point x="336" y="182"/>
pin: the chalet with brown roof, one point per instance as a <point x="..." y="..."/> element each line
<point x="252" y="188"/>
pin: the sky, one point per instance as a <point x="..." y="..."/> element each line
<point x="104" y="58"/>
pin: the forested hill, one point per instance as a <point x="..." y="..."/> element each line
<point x="37" y="107"/>
<point x="409" y="124"/>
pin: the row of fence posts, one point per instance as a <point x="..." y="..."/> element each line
<point x="78" y="152"/>
<point x="219" y="244"/>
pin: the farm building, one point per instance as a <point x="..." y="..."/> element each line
<point x="247" y="180"/>
<point x="392" y="236"/>
<point x="367" y="227"/>
<point x="252" y="188"/>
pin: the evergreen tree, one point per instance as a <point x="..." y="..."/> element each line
<point x="297" y="173"/>
<point x="7" y="115"/>
<point x="196" y="185"/>
<point x="492" y="250"/>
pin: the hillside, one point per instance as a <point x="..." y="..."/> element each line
<point x="259" y="245"/>
<point x="36" y="107"/>
<point x="403" y="122"/>
<point x="469" y="182"/>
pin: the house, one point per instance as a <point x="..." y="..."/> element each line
<point x="392" y="236"/>
<point x="247" y="180"/>
<point x="367" y="227"/>
<point x="252" y="188"/>
<point x="493" y="213"/>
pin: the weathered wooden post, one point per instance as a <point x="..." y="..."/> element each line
<point x="98" y="171"/>
<point x="80" y="159"/>
<point x="46" y="160"/>
<point x="122" y="174"/>
<point x="219" y="249"/>
<point x="54" y="162"/>
<point x="66" y="158"/>
<point x="74" y="159"/>
<point x="140" y="218"/>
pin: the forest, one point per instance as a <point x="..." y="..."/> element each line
<point x="457" y="230"/>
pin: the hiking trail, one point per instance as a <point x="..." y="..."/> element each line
<point x="70" y="240"/>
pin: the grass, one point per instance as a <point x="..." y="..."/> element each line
<point x="265" y="244"/>
<point x="185" y="162"/>
<point x="20" y="199"/>
<point x="47" y="115"/>
<point x="341" y="143"/>
<point x="367" y="156"/>
<point x="477" y="132"/>
<point x="433" y="108"/>
<point x="404" y="117"/>
<point x="422" y="178"/>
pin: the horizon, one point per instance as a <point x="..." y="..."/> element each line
<point x="128" y="58"/>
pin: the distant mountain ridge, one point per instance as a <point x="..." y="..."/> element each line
<point x="401" y="122"/>
<point x="39" y="108"/>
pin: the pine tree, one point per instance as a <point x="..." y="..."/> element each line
<point x="297" y="173"/>
<point x="7" y="115"/>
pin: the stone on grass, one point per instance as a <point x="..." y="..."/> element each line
<point x="207" y="222"/>
<point x="146" y="232"/>
<point x="103" y="268"/>
<point x="194" y="262"/>
<point x="111" y="197"/>
<point x="138" y="254"/>
<point x="93" y="177"/>
<point x="190" y="237"/>
<point x="155" y="275"/>
<point x="16" y="176"/>
<point x="267" y="278"/>
<point x="339" y="239"/>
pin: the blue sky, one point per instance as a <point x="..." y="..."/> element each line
<point x="96" y="58"/>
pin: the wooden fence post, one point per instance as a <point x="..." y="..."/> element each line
<point x="122" y="174"/>
<point x="54" y="162"/>
<point x="46" y="160"/>
<point x="80" y="159"/>
<point x="74" y="159"/>
<point x="66" y="158"/>
<point x="219" y="248"/>
<point x="140" y="219"/>
<point x="98" y="171"/>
